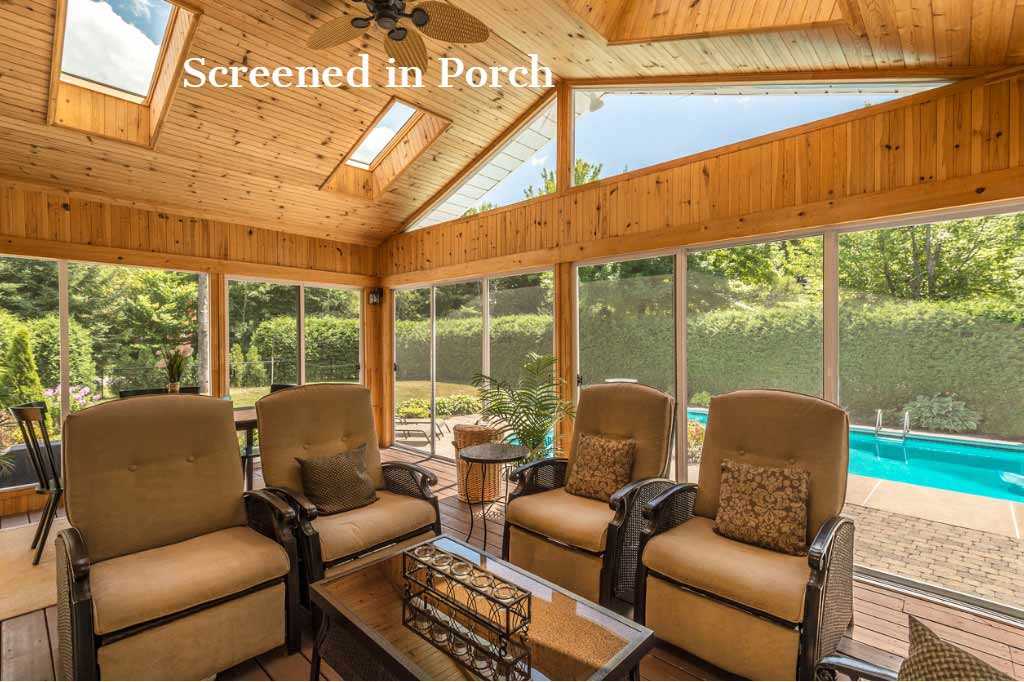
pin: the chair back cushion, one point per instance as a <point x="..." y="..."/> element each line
<point x="151" y="471"/>
<point x="628" y="411"/>
<point x="778" y="429"/>
<point x="314" y="421"/>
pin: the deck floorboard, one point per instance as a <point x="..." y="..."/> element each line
<point x="28" y="648"/>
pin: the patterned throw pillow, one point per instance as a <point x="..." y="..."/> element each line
<point x="338" y="483"/>
<point x="764" y="506"/>
<point x="600" y="466"/>
<point x="932" y="659"/>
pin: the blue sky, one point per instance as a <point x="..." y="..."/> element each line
<point x="634" y="131"/>
<point x="115" y="42"/>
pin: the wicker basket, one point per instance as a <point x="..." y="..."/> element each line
<point x="474" y="434"/>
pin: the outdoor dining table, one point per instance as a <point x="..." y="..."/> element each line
<point x="245" y="420"/>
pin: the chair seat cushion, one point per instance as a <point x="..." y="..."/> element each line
<point x="694" y="555"/>
<point x="391" y="516"/>
<point x="137" y="588"/>
<point x="571" y="519"/>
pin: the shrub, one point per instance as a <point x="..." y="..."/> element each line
<point x="700" y="399"/>
<point x="694" y="441"/>
<point x="254" y="373"/>
<point x="414" y="408"/>
<point x="237" y="365"/>
<point x="458" y="406"/>
<point x="942" y="413"/>
<point x="20" y="381"/>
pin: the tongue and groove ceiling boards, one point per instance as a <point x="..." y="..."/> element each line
<point x="260" y="157"/>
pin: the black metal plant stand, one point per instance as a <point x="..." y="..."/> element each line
<point x="486" y="455"/>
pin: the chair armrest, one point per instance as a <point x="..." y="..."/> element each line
<point x="622" y="551"/>
<point x="76" y="642"/>
<point x="269" y="515"/>
<point x="78" y="556"/>
<point x="853" y="668"/>
<point x="669" y="509"/>
<point x="306" y="510"/>
<point x="409" y="479"/>
<point x="829" y="597"/>
<point x="539" y="476"/>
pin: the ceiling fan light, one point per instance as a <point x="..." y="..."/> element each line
<point x="420" y="17"/>
<point x="386" y="22"/>
<point x="361" y="22"/>
<point x="397" y="33"/>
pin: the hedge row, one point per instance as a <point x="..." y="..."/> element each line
<point x="889" y="354"/>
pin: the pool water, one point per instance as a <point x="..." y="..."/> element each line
<point x="949" y="464"/>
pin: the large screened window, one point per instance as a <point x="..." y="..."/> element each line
<point x="332" y="335"/>
<point x="931" y="327"/>
<point x="521" y="322"/>
<point x="445" y="335"/>
<point x="130" y="317"/>
<point x="625" y="129"/>
<point x="627" y="322"/>
<point x="522" y="168"/>
<point x="263" y="328"/>
<point x="754" y="319"/>
<point x="114" y="43"/>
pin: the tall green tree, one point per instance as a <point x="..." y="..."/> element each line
<point x="582" y="173"/>
<point x="20" y="381"/>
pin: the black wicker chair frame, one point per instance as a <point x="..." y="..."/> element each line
<point x="620" y="557"/>
<point x="830" y="667"/>
<point x="78" y="642"/>
<point x="399" y="477"/>
<point x="829" y="600"/>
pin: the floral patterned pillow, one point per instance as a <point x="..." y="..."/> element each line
<point x="600" y="466"/>
<point x="764" y="506"/>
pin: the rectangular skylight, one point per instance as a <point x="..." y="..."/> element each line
<point x="115" y="43"/>
<point x="381" y="135"/>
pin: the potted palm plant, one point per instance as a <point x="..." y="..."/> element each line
<point x="525" y="412"/>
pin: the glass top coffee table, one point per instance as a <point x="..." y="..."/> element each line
<point x="362" y="636"/>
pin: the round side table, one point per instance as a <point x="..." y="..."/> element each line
<point x="483" y="455"/>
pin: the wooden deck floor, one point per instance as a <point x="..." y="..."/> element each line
<point x="28" y="644"/>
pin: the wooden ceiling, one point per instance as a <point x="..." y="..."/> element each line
<point x="260" y="156"/>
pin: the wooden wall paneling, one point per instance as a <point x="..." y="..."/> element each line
<point x="921" y="153"/>
<point x="378" y="360"/>
<point x="102" y="114"/>
<point x="42" y="222"/>
<point x="220" y="377"/>
<point x="565" y="344"/>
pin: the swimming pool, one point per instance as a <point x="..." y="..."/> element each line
<point x="975" y="468"/>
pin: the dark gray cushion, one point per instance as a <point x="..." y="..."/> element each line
<point x="338" y="483"/>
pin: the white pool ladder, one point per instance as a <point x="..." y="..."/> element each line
<point x="906" y="424"/>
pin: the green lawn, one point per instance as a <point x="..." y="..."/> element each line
<point x="405" y="390"/>
<point x="247" y="397"/>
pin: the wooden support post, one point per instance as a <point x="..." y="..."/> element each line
<point x="565" y="343"/>
<point x="565" y="137"/>
<point x="378" y="359"/>
<point x="220" y="378"/>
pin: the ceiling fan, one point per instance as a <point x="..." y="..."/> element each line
<point x="437" y="20"/>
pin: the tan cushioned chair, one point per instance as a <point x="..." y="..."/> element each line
<point x="754" y="612"/>
<point x="585" y="545"/>
<point x="324" y="419"/>
<point x="168" y="571"/>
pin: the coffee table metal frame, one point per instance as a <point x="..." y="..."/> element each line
<point x="339" y="633"/>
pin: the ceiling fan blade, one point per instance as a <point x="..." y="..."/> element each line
<point x="334" y="33"/>
<point x="408" y="52"/>
<point x="451" y="24"/>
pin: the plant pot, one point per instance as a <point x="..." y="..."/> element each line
<point x="174" y="387"/>
<point x="470" y="490"/>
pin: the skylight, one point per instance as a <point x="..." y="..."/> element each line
<point x="381" y="135"/>
<point x="115" y="43"/>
